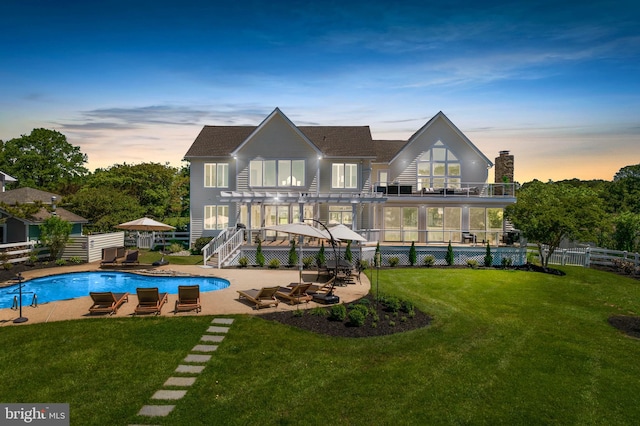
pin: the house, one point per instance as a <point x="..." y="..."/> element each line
<point x="16" y="229"/>
<point x="431" y="188"/>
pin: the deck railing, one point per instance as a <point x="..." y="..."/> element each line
<point x="462" y="189"/>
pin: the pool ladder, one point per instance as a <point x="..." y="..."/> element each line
<point x="34" y="302"/>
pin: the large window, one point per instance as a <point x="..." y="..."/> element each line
<point x="344" y="175"/>
<point x="486" y="224"/>
<point x="443" y="224"/>
<point x="438" y="168"/>
<point x="400" y="224"/>
<point x="276" y="173"/>
<point x="340" y="215"/>
<point x="216" y="217"/>
<point x="216" y="175"/>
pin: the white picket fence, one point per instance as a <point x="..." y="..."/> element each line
<point x="587" y="256"/>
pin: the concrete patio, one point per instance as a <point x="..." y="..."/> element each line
<point x="220" y="302"/>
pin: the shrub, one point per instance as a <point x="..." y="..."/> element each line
<point x="393" y="304"/>
<point x="360" y="308"/>
<point x="61" y="262"/>
<point x="200" y="243"/>
<point x="488" y="259"/>
<point x="506" y="262"/>
<point x="392" y="323"/>
<point x="75" y="259"/>
<point x="406" y="306"/>
<point x="413" y="256"/>
<point x="532" y="258"/>
<point x="7" y="266"/>
<point x="318" y="312"/>
<point x="377" y="255"/>
<point x="307" y="261"/>
<point x="259" y="255"/>
<point x="338" y="313"/>
<point x="375" y="317"/>
<point x="403" y="319"/>
<point x="320" y="257"/>
<point x="175" y="248"/>
<point x="364" y="264"/>
<point x="449" y="257"/>
<point x="298" y="313"/>
<point x="348" y="256"/>
<point x="356" y="318"/>
<point x="293" y="254"/>
<point x="274" y="264"/>
<point x="243" y="262"/>
<point x="472" y="263"/>
<point x="394" y="261"/>
<point x="429" y="260"/>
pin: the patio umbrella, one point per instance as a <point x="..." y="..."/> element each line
<point x="304" y="229"/>
<point x="147" y="224"/>
<point x="343" y="232"/>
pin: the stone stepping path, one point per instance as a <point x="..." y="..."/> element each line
<point x="193" y="364"/>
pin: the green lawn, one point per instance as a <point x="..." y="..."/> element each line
<point x="505" y="347"/>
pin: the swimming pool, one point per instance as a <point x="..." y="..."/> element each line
<point x="79" y="284"/>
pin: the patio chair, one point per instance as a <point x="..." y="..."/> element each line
<point x="264" y="297"/>
<point x="131" y="258"/>
<point x="188" y="298"/>
<point x="150" y="301"/>
<point x="109" y="256"/>
<point x="318" y="287"/>
<point x="296" y="294"/>
<point x="106" y="302"/>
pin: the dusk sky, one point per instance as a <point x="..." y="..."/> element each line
<point x="557" y="83"/>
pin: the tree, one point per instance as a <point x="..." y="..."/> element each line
<point x="376" y="255"/>
<point x="413" y="256"/>
<point x="449" y="257"/>
<point x="43" y="160"/>
<point x="626" y="232"/>
<point x="320" y="257"/>
<point x="348" y="256"/>
<point x="624" y="191"/>
<point x="54" y="233"/>
<point x="488" y="258"/>
<point x="259" y="255"/>
<point x="104" y="208"/>
<point x="293" y="254"/>
<point x="547" y="213"/>
<point x="161" y="190"/>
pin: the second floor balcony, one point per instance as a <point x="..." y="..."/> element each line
<point x="462" y="189"/>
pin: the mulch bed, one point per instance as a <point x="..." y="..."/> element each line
<point x="11" y="274"/>
<point x="628" y="325"/>
<point x="323" y="325"/>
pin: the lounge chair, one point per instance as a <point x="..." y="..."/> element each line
<point x="264" y="297"/>
<point x="296" y="294"/>
<point x="109" y="256"/>
<point x="188" y="298"/>
<point x="318" y="287"/>
<point x="150" y="301"/>
<point x="106" y="302"/>
<point x="131" y="258"/>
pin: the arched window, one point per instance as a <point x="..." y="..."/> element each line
<point x="438" y="168"/>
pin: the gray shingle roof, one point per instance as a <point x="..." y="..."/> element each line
<point x="332" y="141"/>
<point x="386" y="150"/>
<point x="27" y="195"/>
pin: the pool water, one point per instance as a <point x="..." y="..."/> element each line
<point x="79" y="284"/>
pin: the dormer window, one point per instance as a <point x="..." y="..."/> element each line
<point x="438" y="168"/>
